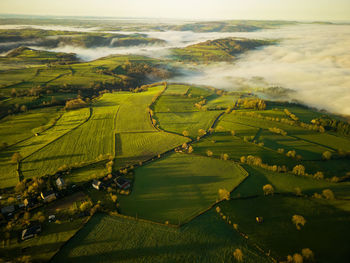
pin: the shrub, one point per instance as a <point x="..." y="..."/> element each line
<point x="209" y="153"/>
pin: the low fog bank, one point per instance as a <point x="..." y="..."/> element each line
<point x="313" y="60"/>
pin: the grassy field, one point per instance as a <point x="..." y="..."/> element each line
<point x="187" y="121"/>
<point x="66" y="123"/>
<point x="78" y="146"/>
<point x="224" y="143"/>
<point x="285" y="183"/>
<point x="178" y="187"/>
<point x="20" y="126"/>
<point x="113" y="239"/>
<point x="177" y="89"/>
<point x="325" y="232"/>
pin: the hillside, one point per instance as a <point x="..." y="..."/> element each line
<point x="226" y="49"/>
<point x="191" y="166"/>
<point x="13" y="38"/>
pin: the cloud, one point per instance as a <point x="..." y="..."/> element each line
<point x="313" y="60"/>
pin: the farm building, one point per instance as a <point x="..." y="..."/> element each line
<point x="60" y="183"/>
<point x="48" y="196"/>
<point x="31" y="232"/>
<point x="122" y="183"/>
<point x="97" y="184"/>
<point x="8" y="210"/>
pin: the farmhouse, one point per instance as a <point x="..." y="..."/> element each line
<point x="8" y="210"/>
<point x="122" y="183"/>
<point x="48" y="196"/>
<point x="31" y="232"/>
<point x="97" y="184"/>
<point x="60" y="183"/>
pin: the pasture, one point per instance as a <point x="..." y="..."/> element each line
<point x="325" y="232"/>
<point x="178" y="187"/>
<point x="115" y="239"/>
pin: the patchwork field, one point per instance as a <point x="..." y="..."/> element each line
<point x="325" y="231"/>
<point x="113" y="239"/>
<point x="179" y="186"/>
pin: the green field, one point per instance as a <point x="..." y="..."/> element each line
<point x="65" y="124"/>
<point x="113" y="239"/>
<point x="325" y="232"/>
<point x="21" y="126"/>
<point x="285" y="183"/>
<point x="78" y="146"/>
<point x="179" y="186"/>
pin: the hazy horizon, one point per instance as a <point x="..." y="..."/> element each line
<point x="312" y="10"/>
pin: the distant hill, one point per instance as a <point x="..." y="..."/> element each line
<point x="217" y="50"/>
<point x="14" y="38"/>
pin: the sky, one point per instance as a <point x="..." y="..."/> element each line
<point x="325" y="10"/>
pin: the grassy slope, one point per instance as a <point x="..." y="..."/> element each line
<point x="18" y="127"/>
<point x="136" y="138"/>
<point x="85" y="143"/>
<point x="113" y="239"/>
<point x="285" y="183"/>
<point x="66" y="123"/>
<point x="177" y="113"/>
<point x="179" y="186"/>
<point x="325" y="232"/>
<point x="217" y="50"/>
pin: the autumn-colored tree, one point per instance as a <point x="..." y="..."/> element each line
<point x="297" y="258"/>
<point x="224" y="194"/>
<point x="209" y="153"/>
<point x="327" y="155"/>
<point x="299" y="221"/>
<point x="201" y="132"/>
<point x="328" y="194"/>
<point x="238" y="255"/>
<point x="268" y="189"/>
<point x="185" y="133"/>
<point x="307" y="254"/>
<point x="299" y="170"/>
<point x="190" y="149"/>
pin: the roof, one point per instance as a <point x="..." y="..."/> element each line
<point x="8" y="209"/>
<point x="47" y="193"/>
<point x="59" y="181"/>
<point x="31" y="231"/>
<point x="96" y="182"/>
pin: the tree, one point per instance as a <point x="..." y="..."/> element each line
<point x="319" y="175"/>
<point x="328" y="194"/>
<point x="16" y="157"/>
<point x="224" y="156"/>
<point x="268" y="189"/>
<point x="190" y="149"/>
<point x="297" y="258"/>
<point x="23" y="108"/>
<point x="299" y="221"/>
<point x="327" y="155"/>
<point x="185" y="133"/>
<point x="85" y="206"/>
<point x="233" y="133"/>
<point x="209" y="153"/>
<point x="201" y="132"/>
<point x="238" y="255"/>
<point x="307" y="254"/>
<point x="224" y="194"/>
<point x="299" y="170"/>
